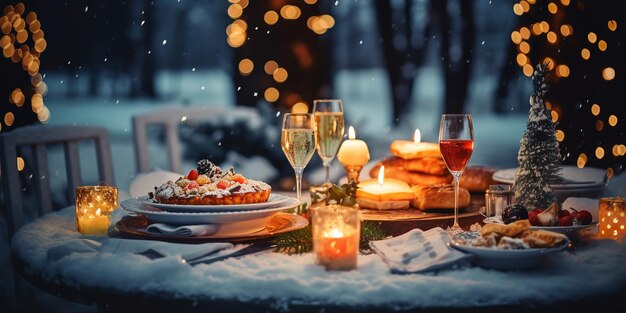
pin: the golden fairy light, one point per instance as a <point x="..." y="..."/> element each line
<point x="582" y="160"/>
<point x="271" y="94"/>
<point x="522" y="59"/>
<point x="555" y="116"/>
<point x="592" y="37"/>
<point x="525" y="32"/>
<point x="516" y="37"/>
<point x="290" y="12"/>
<point x="545" y="27"/>
<point x="20" y="164"/>
<point x="612" y="120"/>
<point x="18" y="29"/>
<point x="560" y="135"/>
<point x="300" y="107"/>
<point x="602" y="45"/>
<point x="552" y="8"/>
<point x="270" y="17"/>
<point x="551" y="36"/>
<point x="565" y="2"/>
<point x="270" y="67"/>
<point x="525" y="6"/>
<point x="235" y="10"/>
<point x="585" y="53"/>
<point x="608" y="73"/>
<point x="566" y="30"/>
<point x="280" y="75"/>
<point x="562" y="70"/>
<point x="549" y="62"/>
<point x="310" y="1"/>
<point x="245" y="67"/>
<point x="524" y="47"/>
<point x="599" y="153"/>
<point x="599" y="125"/>
<point x="518" y="9"/>
<point x="595" y="109"/>
<point x="527" y="70"/>
<point x="612" y="24"/>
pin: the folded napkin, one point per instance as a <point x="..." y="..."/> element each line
<point x="117" y="245"/>
<point x="419" y="251"/>
<point x="182" y="231"/>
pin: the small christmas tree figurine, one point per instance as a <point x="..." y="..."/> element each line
<point x="538" y="156"/>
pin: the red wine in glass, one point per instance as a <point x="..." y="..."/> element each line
<point x="456" y="143"/>
<point x="456" y="153"/>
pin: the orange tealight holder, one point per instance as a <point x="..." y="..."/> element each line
<point x="336" y="232"/>
<point x="612" y="211"/>
<point x="94" y="205"/>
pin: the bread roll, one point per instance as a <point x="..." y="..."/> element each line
<point x="477" y="178"/>
<point x="428" y="165"/>
<point x="438" y="197"/>
<point x="412" y="178"/>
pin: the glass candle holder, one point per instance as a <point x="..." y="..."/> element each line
<point x="94" y="205"/>
<point x="612" y="220"/>
<point x="336" y="232"/>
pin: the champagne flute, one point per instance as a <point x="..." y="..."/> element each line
<point x="329" y="127"/>
<point x="298" y="143"/>
<point x="456" y="142"/>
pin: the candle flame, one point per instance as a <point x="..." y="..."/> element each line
<point x="417" y="137"/>
<point x="98" y="213"/>
<point x="335" y="233"/>
<point x="351" y="134"/>
<point x="381" y="175"/>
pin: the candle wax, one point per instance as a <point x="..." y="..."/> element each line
<point x="93" y="225"/>
<point x="412" y="150"/>
<point x="390" y="189"/>
<point x="338" y="253"/>
<point x="353" y="152"/>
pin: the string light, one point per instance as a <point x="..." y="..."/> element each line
<point x="595" y="109"/>
<point x="524" y="47"/>
<point x="582" y="160"/>
<point x="245" y="67"/>
<point x="271" y="94"/>
<point x="235" y="10"/>
<point x="608" y="73"/>
<point x="612" y="24"/>
<point x="599" y="153"/>
<point x="270" y="17"/>
<point x="518" y="9"/>
<point x="599" y="125"/>
<point x="552" y="8"/>
<point x="562" y="70"/>
<point x="555" y="116"/>
<point x="522" y="59"/>
<point x="525" y="6"/>
<point x="525" y="32"/>
<point x="612" y="120"/>
<point x="280" y="75"/>
<point x="567" y="30"/>
<point x="585" y="53"/>
<point x="565" y="2"/>
<point x="560" y="135"/>
<point x="551" y="37"/>
<point x="270" y="66"/>
<point x="516" y="37"/>
<point x="20" y="164"/>
<point x="592" y="37"/>
<point x="602" y="45"/>
<point x="527" y="70"/>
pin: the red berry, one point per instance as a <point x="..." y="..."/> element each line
<point x="192" y="175"/>
<point x="566" y="220"/>
<point x="222" y="184"/>
<point x="563" y="213"/>
<point x="193" y="185"/>
<point x="583" y="217"/>
<point x="532" y="217"/>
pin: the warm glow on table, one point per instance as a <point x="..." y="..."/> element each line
<point x="353" y="152"/>
<point x="94" y="205"/>
<point x="336" y="232"/>
<point x="612" y="213"/>
<point x="414" y="149"/>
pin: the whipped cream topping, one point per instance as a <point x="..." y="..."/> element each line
<point x="170" y="189"/>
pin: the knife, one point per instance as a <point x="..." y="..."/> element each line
<point x="251" y="249"/>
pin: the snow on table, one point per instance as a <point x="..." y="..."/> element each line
<point x="282" y="279"/>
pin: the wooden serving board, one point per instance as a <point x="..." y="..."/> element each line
<point x="397" y="222"/>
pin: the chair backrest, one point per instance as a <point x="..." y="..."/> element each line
<point x="38" y="137"/>
<point x="170" y="118"/>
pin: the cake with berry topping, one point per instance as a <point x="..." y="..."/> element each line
<point x="209" y="185"/>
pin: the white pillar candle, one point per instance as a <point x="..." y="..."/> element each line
<point x="353" y="152"/>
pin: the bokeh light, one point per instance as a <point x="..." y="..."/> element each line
<point x="608" y="73"/>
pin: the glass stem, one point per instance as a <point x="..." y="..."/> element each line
<point x="457" y="177"/>
<point x="327" y="170"/>
<point x="298" y="171"/>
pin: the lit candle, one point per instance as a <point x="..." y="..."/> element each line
<point x="612" y="214"/>
<point x="414" y="149"/>
<point x="385" y="189"/>
<point x="97" y="224"/>
<point x="94" y="204"/>
<point x="336" y="231"/>
<point x="353" y="152"/>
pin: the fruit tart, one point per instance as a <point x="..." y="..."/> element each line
<point x="210" y="185"/>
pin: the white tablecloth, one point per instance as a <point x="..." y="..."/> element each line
<point x="586" y="272"/>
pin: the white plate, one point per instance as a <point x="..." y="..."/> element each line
<point x="565" y="230"/>
<point x="184" y="218"/>
<point x="504" y="259"/>
<point x="574" y="178"/>
<point x="273" y="200"/>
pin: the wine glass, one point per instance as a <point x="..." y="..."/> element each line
<point x="456" y="142"/>
<point x="298" y="143"/>
<point x="329" y="127"/>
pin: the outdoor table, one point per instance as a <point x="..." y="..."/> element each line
<point x="592" y="276"/>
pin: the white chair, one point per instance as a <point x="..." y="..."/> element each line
<point x="37" y="138"/>
<point x="171" y="118"/>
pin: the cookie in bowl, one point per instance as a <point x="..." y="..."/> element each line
<point x="210" y="185"/>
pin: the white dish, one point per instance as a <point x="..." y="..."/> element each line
<point x="272" y="201"/>
<point x="565" y="230"/>
<point x="573" y="178"/>
<point x="506" y="259"/>
<point x="254" y="217"/>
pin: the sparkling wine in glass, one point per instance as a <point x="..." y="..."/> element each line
<point x="298" y="143"/>
<point x="329" y="127"/>
<point x="456" y="142"/>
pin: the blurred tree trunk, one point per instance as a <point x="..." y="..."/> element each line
<point x="401" y="62"/>
<point x="146" y="57"/>
<point x="457" y="71"/>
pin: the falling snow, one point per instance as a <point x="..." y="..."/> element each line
<point x="164" y="42"/>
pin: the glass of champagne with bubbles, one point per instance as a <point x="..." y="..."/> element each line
<point x="329" y="127"/>
<point x="298" y="143"/>
<point x="456" y="142"/>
